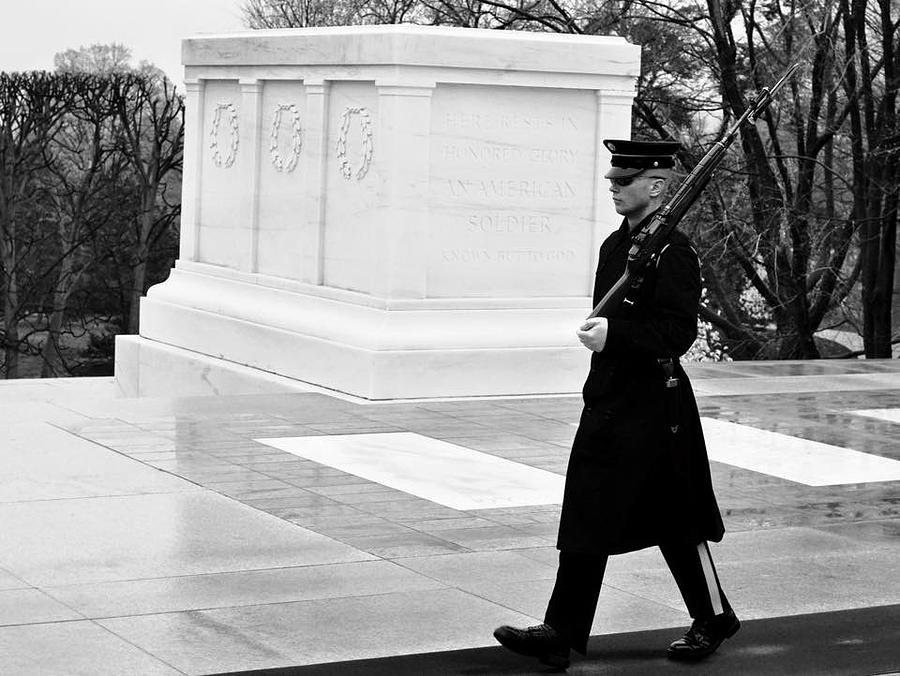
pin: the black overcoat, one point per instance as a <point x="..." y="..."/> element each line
<point x="631" y="483"/>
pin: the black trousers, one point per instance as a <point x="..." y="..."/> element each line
<point x="579" y="577"/>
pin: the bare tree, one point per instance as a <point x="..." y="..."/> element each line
<point x="872" y="103"/>
<point x="97" y="59"/>
<point x="147" y="139"/>
<point x="76" y="205"/>
<point x="33" y="107"/>
<point x="306" y="13"/>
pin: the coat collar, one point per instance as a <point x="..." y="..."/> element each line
<point x="618" y="239"/>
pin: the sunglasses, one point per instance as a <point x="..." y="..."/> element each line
<point x="623" y="181"/>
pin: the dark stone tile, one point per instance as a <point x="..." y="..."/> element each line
<point x="885" y="532"/>
<point x="399" y="545"/>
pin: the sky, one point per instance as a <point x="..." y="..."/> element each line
<point x="32" y="31"/>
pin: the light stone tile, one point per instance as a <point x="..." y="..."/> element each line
<point x="33" y="412"/>
<point x="811" y="584"/>
<point x="32" y="606"/>
<point x="649" y="557"/>
<point x="42" y="462"/>
<point x="617" y="611"/>
<point x="783" y="543"/>
<point x="445" y="473"/>
<point x="151" y="536"/>
<point x="74" y="649"/>
<point x="56" y="389"/>
<point x="655" y="585"/>
<point x="528" y="597"/>
<point x="224" y="590"/>
<point x="10" y="581"/>
<point x="782" y="585"/>
<point x="480" y="568"/>
<point x="633" y="569"/>
<point x="310" y="632"/>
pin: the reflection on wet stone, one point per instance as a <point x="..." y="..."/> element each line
<point x="790" y="548"/>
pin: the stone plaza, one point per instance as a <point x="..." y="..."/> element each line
<point x="168" y="535"/>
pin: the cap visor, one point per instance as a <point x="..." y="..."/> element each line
<point x="623" y="172"/>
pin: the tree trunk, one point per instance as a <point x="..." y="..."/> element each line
<point x="11" y="329"/>
<point x="10" y="304"/>
<point x="878" y="289"/>
<point x="142" y="252"/>
<point x="137" y="291"/>
<point x="793" y="327"/>
<point x="52" y="366"/>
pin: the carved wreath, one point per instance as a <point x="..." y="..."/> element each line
<point x="217" y="158"/>
<point x="296" y="138"/>
<point x="365" y="123"/>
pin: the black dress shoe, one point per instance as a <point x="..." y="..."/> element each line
<point x="541" y="641"/>
<point x="704" y="637"/>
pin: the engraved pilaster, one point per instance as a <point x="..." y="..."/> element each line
<point x="402" y="151"/>
<point x="313" y="163"/>
<point x="193" y="163"/>
<point x="250" y="126"/>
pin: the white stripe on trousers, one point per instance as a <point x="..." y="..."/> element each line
<point x="715" y="598"/>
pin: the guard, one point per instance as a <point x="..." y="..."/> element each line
<point x="638" y="473"/>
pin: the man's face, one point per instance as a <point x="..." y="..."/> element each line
<point x="635" y="195"/>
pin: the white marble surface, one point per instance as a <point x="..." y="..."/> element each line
<point x="419" y="350"/>
<point x="445" y="473"/>
<point x="800" y="460"/>
<point x="146" y="368"/>
<point x="399" y="167"/>
<point x="889" y="414"/>
<point x="412" y="45"/>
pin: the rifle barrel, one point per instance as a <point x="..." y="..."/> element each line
<point x="667" y="218"/>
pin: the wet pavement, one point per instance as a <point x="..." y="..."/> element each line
<point x="170" y="536"/>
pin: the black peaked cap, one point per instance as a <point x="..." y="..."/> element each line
<point x="633" y="157"/>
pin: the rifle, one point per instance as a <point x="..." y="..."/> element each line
<point x="647" y="244"/>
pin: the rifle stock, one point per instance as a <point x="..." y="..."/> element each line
<point x="653" y="237"/>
